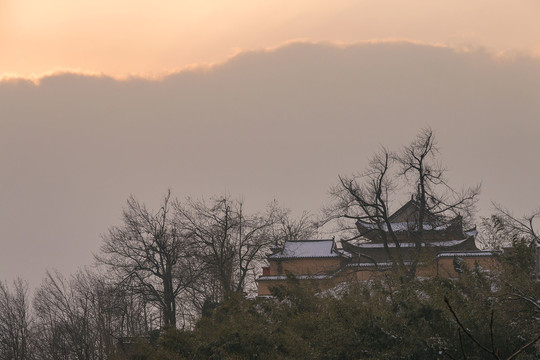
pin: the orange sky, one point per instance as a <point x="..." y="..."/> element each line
<point x="119" y="37"/>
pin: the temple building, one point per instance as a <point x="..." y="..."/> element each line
<point x="441" y="247"/>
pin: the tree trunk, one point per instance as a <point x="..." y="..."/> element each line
<point x="169" y="305"/>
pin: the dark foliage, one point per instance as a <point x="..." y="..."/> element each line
<point x="387" y="319"/>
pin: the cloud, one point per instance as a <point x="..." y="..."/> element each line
<point x="278" y="123"/>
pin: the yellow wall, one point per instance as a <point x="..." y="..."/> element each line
<point x="264" y="286"/>
<point x="443" y="266"/>
<point x="304" y="266"/>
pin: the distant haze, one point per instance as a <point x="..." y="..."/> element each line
<point x="266" y="125"/>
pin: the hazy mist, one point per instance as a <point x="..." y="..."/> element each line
<point x="265" y="125"/>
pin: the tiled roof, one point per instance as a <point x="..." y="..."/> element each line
<point x="466" y="254"/>
<point x="410" y="206"/>
<point x="404" y="226"/>
<point x="406" y="245"/>
<point x="372" y="264"/>
<point x="298" y="277"/>
<point x="306" y="249"/>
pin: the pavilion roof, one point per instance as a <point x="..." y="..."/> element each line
<point x="307" y="249"/>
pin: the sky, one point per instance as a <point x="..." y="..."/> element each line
<point x="261" y="99"/>
<point x="139" y="37"/>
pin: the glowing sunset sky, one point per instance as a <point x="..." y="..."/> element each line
<point x="120" y="37"/>
<point x="299" y="92"/>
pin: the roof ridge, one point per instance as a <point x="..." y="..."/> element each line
<point x="309" y="240"/>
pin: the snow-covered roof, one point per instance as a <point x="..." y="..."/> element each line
<point x="299" y="277"/>
<point x="381" y="264"/>
<point x="477" y="253"/>
<point x="466" y="253"/>
<point x="405" y="245"/>
<point x="306" y="249"/>
<point x="472" y="232"/>
<point x="404" y="226"/>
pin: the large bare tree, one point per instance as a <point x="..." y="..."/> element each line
<point x="366" y="197"/>
<point x="369" y="196"/>
<point x="429" y="186"/>
<point x="226" y="241"/>
<point x="148" y="254"/>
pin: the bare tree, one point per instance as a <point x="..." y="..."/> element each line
<point x="14" y="321"/>
<point x="227" y="242"/>
<point x="436" y="200"/>
<point x="85" y="316"/>
<point x="63" y="320"/>
<point x="302" y="228"/>
<point x="429" y="185"/>
<point x="367" y="197"/>
<point x="147" y="253"/>
<point x="492" y="232"/>
<point x="523" y="227"/>
<point x="113" y="312"/>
